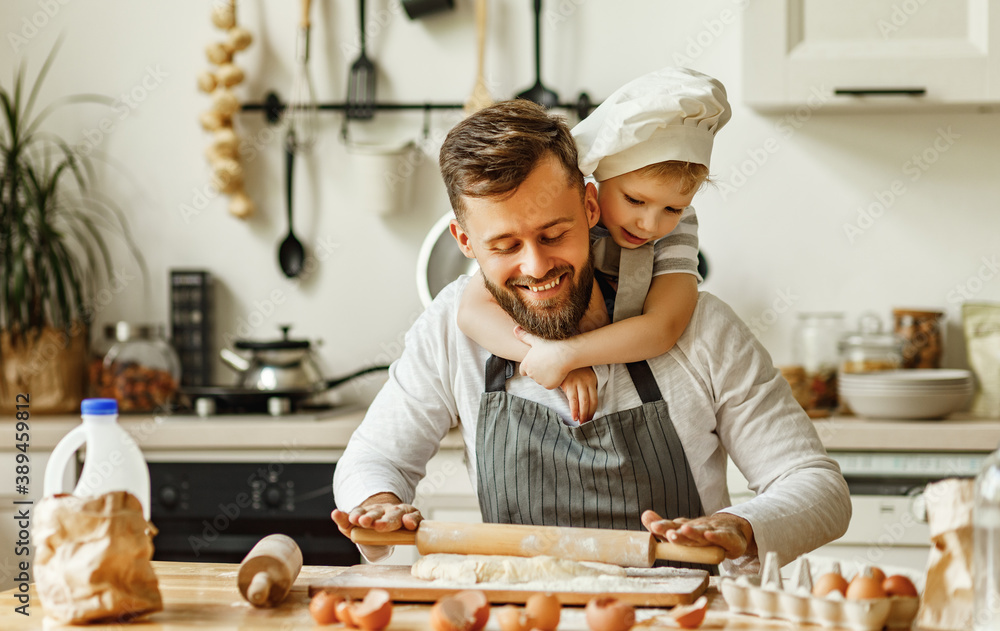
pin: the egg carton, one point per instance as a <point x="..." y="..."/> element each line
<point x="766" y="597"/>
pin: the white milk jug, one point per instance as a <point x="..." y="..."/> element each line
<point x="113" y="461"/>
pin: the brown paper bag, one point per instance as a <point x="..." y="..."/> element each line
<point x="93" y="558"/>
<point x="947" y="600"/>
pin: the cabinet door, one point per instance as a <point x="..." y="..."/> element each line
<point x="870" y="53"/>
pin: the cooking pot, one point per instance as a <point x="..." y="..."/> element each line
<point x="284" y="365"/>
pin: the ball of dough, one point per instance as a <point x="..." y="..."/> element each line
<point x="225" y="102"/>
<point x="229" y="75"/>
<point x="239" y="38"/>
<point x="241" y="205"/>
<point x="223" y="16"/>
<point x="206" y="81"/>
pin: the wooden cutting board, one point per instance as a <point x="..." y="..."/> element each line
<point x="643" y="587"/>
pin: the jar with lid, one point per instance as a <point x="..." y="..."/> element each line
<point x="920" y="332"/>
<point x="815" y="346"/>
<point x="869" y="349"/>
<point x="141" y="370"/>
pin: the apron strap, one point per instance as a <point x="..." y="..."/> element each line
<point x="642" y="375"/>
<point x="498" y="371"/>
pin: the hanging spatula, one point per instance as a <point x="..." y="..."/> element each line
<point x="480" y="96"/>
<point x="361" y="83"/>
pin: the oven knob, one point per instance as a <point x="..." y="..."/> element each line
<point x="169" y="497"/>
<point x="273" y="496"/>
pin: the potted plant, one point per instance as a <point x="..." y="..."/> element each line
<point x="53" y="250"/>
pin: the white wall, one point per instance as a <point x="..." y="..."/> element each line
<point x="780" y="233"/>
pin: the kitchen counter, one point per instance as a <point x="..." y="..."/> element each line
<point x="204" y="596"/>
<point x="332" y="431"/>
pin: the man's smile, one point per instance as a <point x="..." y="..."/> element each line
<point x="546" y="289"/>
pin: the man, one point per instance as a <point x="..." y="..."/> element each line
<point x="664" y="427"/>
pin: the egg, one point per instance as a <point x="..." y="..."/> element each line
<point x="690" y="616"/>
<point x="374" y="612"/>
<point x="323" y="607"/>
<point x="898" y="585"/>
<point x="467" y="610"/>
<point x="826" y="583"/>
<point x="511" y="618"/>
<point x="875" y="573"/>
<point x="543" y="611"/>
<point x="609" y="614"/>
<point x="865" y="588"/>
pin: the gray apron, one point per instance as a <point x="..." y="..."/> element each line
<point x="534" y="469"/>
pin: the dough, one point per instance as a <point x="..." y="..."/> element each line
<point x="481" y="568"/>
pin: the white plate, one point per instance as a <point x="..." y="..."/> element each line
<point x="906" y="406"/>
<point x="905" y="377"/>
<point x="440" y="261"/>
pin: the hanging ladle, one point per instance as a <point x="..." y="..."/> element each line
<point x="291" y="254"/>
<point x="538" y="92"/>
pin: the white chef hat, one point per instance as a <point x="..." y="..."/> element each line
<point x="669" y="114"/>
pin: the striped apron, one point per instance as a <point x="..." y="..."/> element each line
<point x="534" y="469"/>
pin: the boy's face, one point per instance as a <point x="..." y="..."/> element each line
<point x="637" y="209"/>
<point x="533" y="249"/>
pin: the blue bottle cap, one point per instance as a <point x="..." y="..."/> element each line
<point x="99" y="406"/>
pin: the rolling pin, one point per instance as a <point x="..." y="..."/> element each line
<point x="268" y="570"/>
<point x="628" y="548"/>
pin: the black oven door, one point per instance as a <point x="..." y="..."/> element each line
<point x="215" y="512"/>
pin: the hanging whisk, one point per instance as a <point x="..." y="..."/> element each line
<point x="301" y="116"/>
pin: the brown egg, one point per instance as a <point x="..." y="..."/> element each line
<point x="344" y="613"/>
<point x="609" y="614"/>
<point x="690" y="616"/>
<point x="898" y="585"/>
<point x="464" y="611"/>
<point x="865" y="588"/>
<point x="511" y="618"/>
<point x="543" y="611"/>
<point x="374" y="612"/>
<point x="323" y="607"/>
<point x="829" y="582"/>
<point x="875" y="573"/>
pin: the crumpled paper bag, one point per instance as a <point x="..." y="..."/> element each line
<point x="93" y="558"/>
<point x="947" y="602"/>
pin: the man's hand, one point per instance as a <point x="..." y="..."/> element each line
<point x="733" y="534"/>
<point x="546" y="361"/>
<point x="382" y="512"/>
<point x="580" y="387"/>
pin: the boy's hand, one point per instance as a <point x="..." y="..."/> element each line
<point x="580" y="387"/>
<point x="545" y="361"/>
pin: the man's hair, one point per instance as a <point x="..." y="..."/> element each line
<point x="492" y="152"/>
<point x="689" y="175"/>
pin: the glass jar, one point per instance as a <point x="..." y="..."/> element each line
<point x="815" y="347"/>
<point x="142" y="371"/>
<point x="921" y="334"/>
<point x="869" y="349"/>
<point x="986" y="546"/>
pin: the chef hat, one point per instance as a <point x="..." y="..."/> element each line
<point x="669" y="114"/>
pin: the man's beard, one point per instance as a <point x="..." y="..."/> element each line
<point x="550" y="319"/>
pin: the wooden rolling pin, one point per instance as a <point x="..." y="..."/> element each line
<point x="268" y="570"/>
<point x="629" y="548"/>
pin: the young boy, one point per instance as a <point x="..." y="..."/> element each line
<point x="648" y="146"/>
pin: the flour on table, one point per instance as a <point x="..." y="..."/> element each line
<point x="481" y="568"/>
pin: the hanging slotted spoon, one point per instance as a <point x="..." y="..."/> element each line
<point x="361" y="83"/>
<point x="302" y="113"/>
<point x="538" y="92"/>
<point x="480" y="96"/>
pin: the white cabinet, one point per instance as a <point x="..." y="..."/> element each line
<point x="818" y="54"/>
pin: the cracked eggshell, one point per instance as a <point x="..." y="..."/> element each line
<point x="323" y="607"/>
<point x="468" y="610"/>
<point x="543" y="611"/>
<point x="511" y="618"/>
<point x="690" y="616"/>
<point x="374" y="612"/>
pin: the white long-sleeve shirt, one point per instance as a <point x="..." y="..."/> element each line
<point x="724" y="395"/>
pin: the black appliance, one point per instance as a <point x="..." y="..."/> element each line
<point x="216" y="511"/>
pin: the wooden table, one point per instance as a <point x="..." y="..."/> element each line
<point x="204" y="596"/>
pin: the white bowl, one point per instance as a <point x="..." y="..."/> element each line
<point x="930" y="376"/>
<point x="909" y="405"/>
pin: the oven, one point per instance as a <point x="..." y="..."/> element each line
<point x="213" y="503"/>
